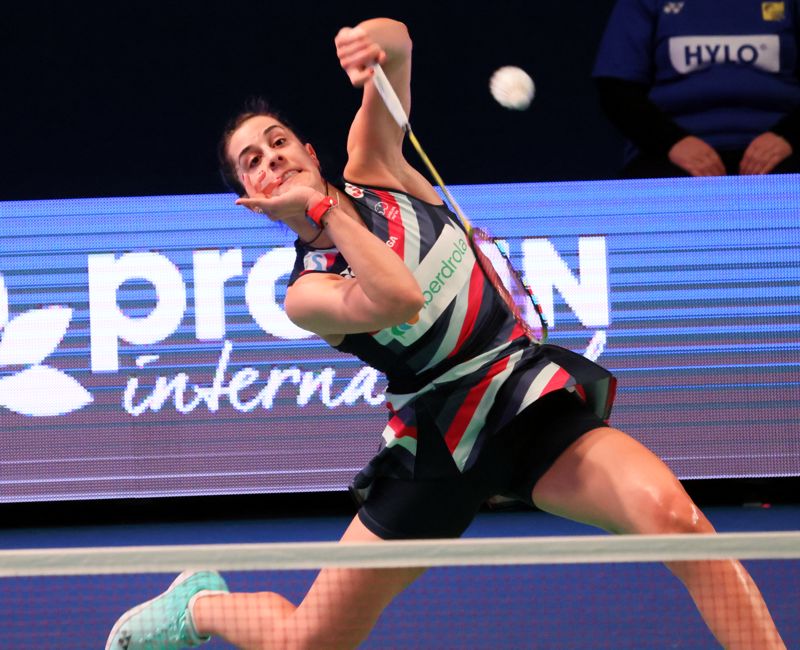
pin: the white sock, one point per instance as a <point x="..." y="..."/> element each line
<point x="190" y="610"/>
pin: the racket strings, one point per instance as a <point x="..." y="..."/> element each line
<point x="508" y="283"/>
<point x="496" y="265"/>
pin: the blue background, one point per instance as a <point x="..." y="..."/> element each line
<point x="704" y="294"/>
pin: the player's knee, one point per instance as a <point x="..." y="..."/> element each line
<point x="669" y="510"/>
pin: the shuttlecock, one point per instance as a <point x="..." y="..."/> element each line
<point x="512" y="87"/>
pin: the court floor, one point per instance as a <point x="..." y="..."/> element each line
<point x="582" y="606"/>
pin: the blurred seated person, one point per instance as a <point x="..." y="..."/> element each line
<point x="702" y="87"/>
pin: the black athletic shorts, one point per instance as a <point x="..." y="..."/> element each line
<point x="510" y="464"/>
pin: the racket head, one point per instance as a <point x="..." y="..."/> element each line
<point x="495" y="262"/>
<point x="493" y="256"/>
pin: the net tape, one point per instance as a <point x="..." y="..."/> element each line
<point x="392" y="554"/>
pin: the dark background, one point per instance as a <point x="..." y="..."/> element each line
<point x="129" y="99"/>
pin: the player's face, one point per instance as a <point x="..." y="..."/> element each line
<point x="271" y="155"/>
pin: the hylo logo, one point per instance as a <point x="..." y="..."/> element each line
<point x="690" y="53"/>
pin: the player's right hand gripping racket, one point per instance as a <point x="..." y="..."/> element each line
<point x="492" y="254"/>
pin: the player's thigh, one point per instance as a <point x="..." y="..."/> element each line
<point x="610" y="480"/>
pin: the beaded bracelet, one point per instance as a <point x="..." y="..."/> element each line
<point x="312" y="240"/>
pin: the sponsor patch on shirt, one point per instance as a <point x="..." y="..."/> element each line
<point x="388" y="210"/>
<point x="353" y="190"/>
<point x="441" y="275"/>
<point x="773" y="11"/>
<point x="326" y="261"/>
<point x="690" y="53"/>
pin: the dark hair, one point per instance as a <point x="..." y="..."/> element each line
<point x="253" y="107"/>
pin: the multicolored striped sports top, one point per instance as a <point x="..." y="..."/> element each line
<point x="463" y="367"/>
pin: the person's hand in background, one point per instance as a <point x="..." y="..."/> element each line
<point x="764" y="153"/>
<point x="696" y="157"/>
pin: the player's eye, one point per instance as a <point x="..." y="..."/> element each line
<point x="253" y="162"/>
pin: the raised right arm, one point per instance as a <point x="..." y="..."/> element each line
<point x="375" y="142"/>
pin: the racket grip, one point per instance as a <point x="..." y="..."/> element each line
<point x="389" y="96"/>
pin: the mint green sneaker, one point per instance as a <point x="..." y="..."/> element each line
<point x="163" y="623"/>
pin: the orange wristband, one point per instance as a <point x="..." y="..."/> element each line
<point x="315" y="214"/>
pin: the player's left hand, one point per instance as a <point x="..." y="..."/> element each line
<point x="277" y="201"/>
<point x="357" y="53"/>
<point x="764" y="153"/>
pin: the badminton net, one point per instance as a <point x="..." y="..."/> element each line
<point x="545" y="592"/>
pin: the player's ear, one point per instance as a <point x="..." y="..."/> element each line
<point x="312" y="153"/>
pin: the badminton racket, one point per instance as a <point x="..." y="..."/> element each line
<point x="492" y="253"/>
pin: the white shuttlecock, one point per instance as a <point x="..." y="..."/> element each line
<point x="512" y="87"/>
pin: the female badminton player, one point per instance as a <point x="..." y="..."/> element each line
<point x="383" y="271"/>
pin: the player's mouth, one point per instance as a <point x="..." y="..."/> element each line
<point x="290" y="174"/>
<point x="275" y="183"/>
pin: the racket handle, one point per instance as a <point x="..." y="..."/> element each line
<point x="389" y="97"/>
<point x="392" y="101"/>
